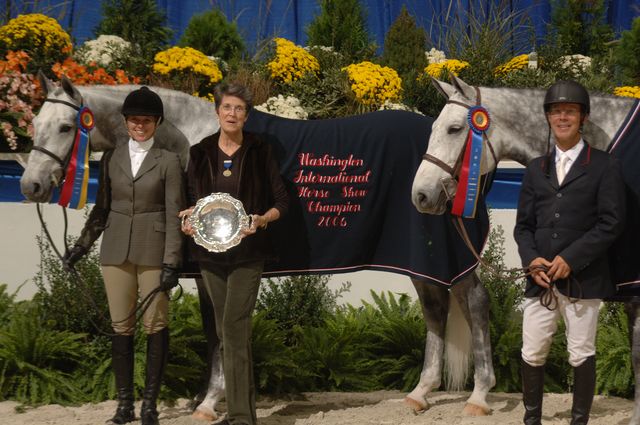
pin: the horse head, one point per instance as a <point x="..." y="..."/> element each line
<point x="436" y="178"/>
<point x="55" y="128"/>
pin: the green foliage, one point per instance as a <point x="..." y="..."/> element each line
<point x="577" y="27"/>
<point x="614" y="371"/>
<point x="67" y="303"/>
<point x="341" y="24"/>
<point x="274" y="365"/>
<point x="6" y="304"/>
<point x="506" y="294"/>
<point x="212" y="34"/>
<point x="395" y="336"/>
<point x="36" y="363"/>
<point x="627" y="54"/>
<point x="303" y="301"/>
<point x="419" y="93"/>
<point x="139" y="22"/>
<point x="404" y="45"/>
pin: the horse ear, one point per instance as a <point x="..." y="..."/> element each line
<point x="443" y="88"/>
<point x="46" y="84"/>
<point x="465" y="89"/>
<point x="70" y="89"/>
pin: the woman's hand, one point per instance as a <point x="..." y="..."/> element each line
<point x="186" y="224"/>
<point x="256" y="221"/>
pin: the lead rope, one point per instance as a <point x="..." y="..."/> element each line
<point x="548" y="298"/>
<point x="138" y="312"/>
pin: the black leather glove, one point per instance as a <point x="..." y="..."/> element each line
<point x="168" y="277"/>
<point x="72" y="256"/>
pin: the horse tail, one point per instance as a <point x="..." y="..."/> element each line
<point x="457" y="348"/>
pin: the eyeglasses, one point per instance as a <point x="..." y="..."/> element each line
<point x="561" y="111"/>
<point x="227" y="108"/>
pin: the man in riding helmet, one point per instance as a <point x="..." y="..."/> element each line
<point x="571" y="210"/>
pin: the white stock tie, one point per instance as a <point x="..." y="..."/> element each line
<point x="561" y="168"/>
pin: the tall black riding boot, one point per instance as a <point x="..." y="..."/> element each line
<point x="532" y="392"/>
<point x="157" y="351"/>
<point x="122" y="363"/>
<point x="584" y="385"/>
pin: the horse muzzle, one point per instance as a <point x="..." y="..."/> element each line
<point x="434" y="200"/>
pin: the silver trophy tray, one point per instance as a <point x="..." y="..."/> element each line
<point x="217" y="220"/>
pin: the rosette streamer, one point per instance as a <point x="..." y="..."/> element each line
<point x="465" y="201"/>
<point x="74" y="189"/>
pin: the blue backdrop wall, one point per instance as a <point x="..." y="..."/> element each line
<point x="262" y="19"/>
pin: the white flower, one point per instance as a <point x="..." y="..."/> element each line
<point x="576" y="63"/>
<point x="102" y="50"/>
<point x="435" y="56"/>
<point x="286" y="107"/>
<point x="388" y="105"/>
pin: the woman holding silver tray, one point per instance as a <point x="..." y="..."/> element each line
<point x="233" y="165"/>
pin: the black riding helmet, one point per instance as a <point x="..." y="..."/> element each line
<point x="567" y="91"/>
<point x="143" y="102"/>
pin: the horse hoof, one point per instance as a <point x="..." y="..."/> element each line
<point x="475" y="410"/>
<point x="204" y="414"/>
<point x="415" y="405"/>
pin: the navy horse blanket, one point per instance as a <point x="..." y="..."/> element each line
<point x="350" y="181"/>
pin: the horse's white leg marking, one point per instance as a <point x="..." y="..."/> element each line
<point x="474" y="295"/>
<point x="215" y="391"/>
<point x="435" y="303"/>
<point x="633" y="309"/>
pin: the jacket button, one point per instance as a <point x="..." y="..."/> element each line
<point x="558" y="195"/>
<point x="554" y="236"/>
<point x="557" y="215"/>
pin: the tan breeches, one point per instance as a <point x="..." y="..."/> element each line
<point x="123" y="284"/>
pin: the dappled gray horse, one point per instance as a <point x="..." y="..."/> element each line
<point x="187" y="121"/>
<point x="518" y="131"/>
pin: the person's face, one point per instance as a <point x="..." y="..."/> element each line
<point x="232" y="113"/>
<point x="141" y="127"/>
<point x="565" y="120"/>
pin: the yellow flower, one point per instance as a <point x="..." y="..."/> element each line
<point x="38" y="34"/>
<point x="453" y="66"/>
<point x="291" y="62"/>
<point x="373" y="84"/>
<point x="516" y="63"/>
<point x="627" y="91"/>
<point x="186" y="60"/>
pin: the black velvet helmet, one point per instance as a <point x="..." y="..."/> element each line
<point x="143" y="102"/>
<point x="567" y="91"/>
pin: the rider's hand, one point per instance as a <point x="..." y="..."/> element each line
<point x="538" y="269"/>
<point x="72" y="256"/>
<point x="168" y="277"/>
<point x="559" y="269"/>
<point x="186" y="224"/>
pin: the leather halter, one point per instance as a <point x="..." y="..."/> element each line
<point x="63" y="163"/>
<point x="455" y="170"/>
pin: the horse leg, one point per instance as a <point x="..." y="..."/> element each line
<point x="632" y="309"/>
<point x="473" y="298"/>
<point x="208" y="398"/>
<point x="435" y="305"/>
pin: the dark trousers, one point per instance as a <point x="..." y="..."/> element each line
<point x="233" y="290"/>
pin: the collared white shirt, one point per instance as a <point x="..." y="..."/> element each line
<point x="137" y="152"/>
<point x="571" y="155"/>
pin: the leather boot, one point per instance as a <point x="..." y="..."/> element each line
<point x="122" y="363"/>
<point x="157" y="350"/>
<point x="584" y="386"/>
<point x="532" y="392"/>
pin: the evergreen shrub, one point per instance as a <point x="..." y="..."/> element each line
<point x="212" y="34"/>
<point x="404" y="45"/>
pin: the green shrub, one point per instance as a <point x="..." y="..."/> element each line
<point x="212" y="34"/>
<point x="304" y="301"/>
<point x="7" y="302"/>
<point x="404" y="45"/>
<point x="341" y="24"/>
<point x="627" y="54"/>
<point x="139" y="22"/>
<point x="613" y="362"/>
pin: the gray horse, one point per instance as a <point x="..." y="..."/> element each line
<point x="187" y="121"/>
<point x="518" y="132"/>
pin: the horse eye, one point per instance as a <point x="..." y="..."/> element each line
<point x="65" y="128"/>
<point x="454" y="130"/>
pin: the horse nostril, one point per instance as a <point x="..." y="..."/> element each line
<point x="36" y="188"/>
<point x="422" y="198"/>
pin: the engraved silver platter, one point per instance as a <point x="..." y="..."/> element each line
<point x="217" y="220"/>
